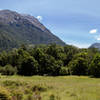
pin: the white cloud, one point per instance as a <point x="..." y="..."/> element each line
<point x="78" y="44"/>
<point x="97" y="38"/>
<point x="93" y="31"/>
<point x="81" y="45"/>
<point x="40" y="18"/>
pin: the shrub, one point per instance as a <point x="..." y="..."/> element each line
<point x="29" y="97"/>
<point x="17" y="95"/>
<point x="52" y="97"/>
<point x="4" y="94"/>
<point x="37" y="96"/>
<point x="64" y="71"/>
<point x="28" y="91"/>
<point x="13" y="83"/>
<point x="39" y="88"/>
<point x="8" y="70"/>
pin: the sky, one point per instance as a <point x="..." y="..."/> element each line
<point x="76" y="22"/>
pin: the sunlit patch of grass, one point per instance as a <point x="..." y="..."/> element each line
<point x="57" y="88"/>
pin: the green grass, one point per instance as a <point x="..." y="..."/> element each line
<point x="53" y="88"/>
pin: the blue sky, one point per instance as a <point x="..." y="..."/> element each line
<point x="76" y="22"/>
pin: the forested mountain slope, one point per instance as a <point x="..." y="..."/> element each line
<point x="17" y="29"/>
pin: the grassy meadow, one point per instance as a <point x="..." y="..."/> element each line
<point x="51" y="88"/>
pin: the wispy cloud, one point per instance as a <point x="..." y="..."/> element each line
<point x="40" y="18"/>
<point x="93" y="31"/>
<point x="97" y="38"/>
<point x="78" y="44"/>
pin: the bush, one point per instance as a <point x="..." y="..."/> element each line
<point x="52" y="97"/>
<point x="18" y="95"/>
<point x="4" y="94"/>
<point x="28" y="91"/>
<point x="8" y="70"/>
<point x="29" y="97"/>
<point x="64" y="71"/>
<point x="13" y="83"/>
<point x="39" y="88"/>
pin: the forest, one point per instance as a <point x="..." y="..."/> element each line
<point x="50" y="60"/>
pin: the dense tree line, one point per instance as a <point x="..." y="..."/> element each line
<point x="50" y="60"/>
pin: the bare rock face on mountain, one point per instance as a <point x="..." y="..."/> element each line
<point x="16" y="29"/>
<point x="35" y="21"/>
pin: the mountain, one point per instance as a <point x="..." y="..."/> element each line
<point x="95" y="45"/>
<point x="16" y="29"/>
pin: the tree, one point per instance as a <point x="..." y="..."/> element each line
<point x="3" y="58"/>
<point x="91" y="53"/>
<point x="29" y="66"/>
<point x="78" y="66"/>
<point x="13" y="57"/>
<point x="94" y="68"/>
<point x="69" y="51"/>
<point x="56" y="51"/>
<point x="38" y="54"/>
<point x="48" y="65"/>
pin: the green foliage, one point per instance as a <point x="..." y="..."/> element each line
<point x="29" y="66"/>
<point x="69" y="51"/>
<point x="13" y="83"/>
<point x="64" y="71"/>
<point x="4" y="94"/>
<point x="39" y="88"/>
<point x="8" y="70"/>
<point x="29" y="97"/>
<point x="17" y="95"/>
<point x="51" y="60"/>
<point x="78" y="66"/>
<point x="3" y="58"/>
<point x="94" y="68"/>
<point x="55" y="50"/>
<point x="52" y="97"/>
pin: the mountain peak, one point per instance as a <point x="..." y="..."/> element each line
<point x="6" y="11"/>
<point x="16" y="28"/>
<point x="8" y="16"/>
<point x="35" y="21"/>
<point x="95" y="45"/>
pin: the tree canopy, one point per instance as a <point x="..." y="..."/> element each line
<point x="50" y="60"/>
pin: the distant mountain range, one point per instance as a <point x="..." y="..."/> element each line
<point x="95" y="45"/>
<point x="17" y="29"/>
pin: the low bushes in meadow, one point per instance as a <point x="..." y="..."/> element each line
<point x="4" y="94"/>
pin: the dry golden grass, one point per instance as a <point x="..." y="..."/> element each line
<point x="54" y="88"/>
